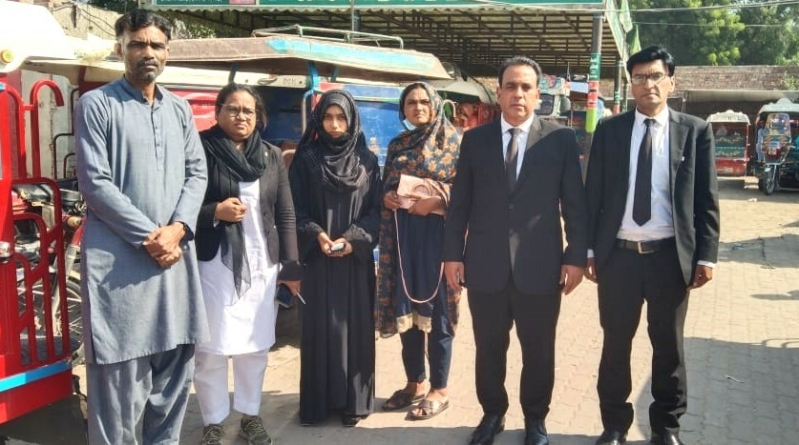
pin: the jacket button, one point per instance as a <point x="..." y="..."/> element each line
<point x="510" y="206"/>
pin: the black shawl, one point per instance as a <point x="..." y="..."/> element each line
<point x="227" y="167"/>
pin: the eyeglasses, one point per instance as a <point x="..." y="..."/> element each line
<point x="640" y="79"/>
<point x="235" y="110"/>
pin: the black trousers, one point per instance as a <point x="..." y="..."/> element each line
<point x="625" y="282"/>
<point x="439" y="347"/>
<point x="536" y="318"/>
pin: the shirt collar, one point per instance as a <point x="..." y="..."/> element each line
<point x="660" y="118"/>
<point x="524" y="127"/>
<point x="137" y="93"/>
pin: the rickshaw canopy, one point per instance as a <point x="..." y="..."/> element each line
<point x="729" y="116"/>
<point x="290" y="55"/>
<point x="30" y="31"/>
<point x="783" y="105"/>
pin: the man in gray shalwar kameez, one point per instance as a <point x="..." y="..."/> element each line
<point x="142" y="172"/>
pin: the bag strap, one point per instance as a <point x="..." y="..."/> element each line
<point x="402" y="271"/>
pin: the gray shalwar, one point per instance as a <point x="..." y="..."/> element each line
<point x="139" y="167"/>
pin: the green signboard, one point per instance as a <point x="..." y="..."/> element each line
<point x="204" y="3"/>
<point x="367" y="3"/>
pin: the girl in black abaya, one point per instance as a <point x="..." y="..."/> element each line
<point x="335" y="183"/>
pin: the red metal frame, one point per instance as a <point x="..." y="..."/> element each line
<point x="29" y="386"/>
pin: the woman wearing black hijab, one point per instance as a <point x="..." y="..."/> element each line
<point x="335" y="183"/>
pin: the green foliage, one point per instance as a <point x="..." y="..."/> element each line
<point x="774" y="43"/>
<point x="790" y="82"/>
<point x="714" y="42"/>
<point x="760" y="35"/>
<point x="120" y="6"/>
<point x="183" y="29"/>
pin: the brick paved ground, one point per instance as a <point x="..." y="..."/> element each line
<point x="742" y="347"/>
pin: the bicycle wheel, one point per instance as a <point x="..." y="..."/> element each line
<point x="75" y="321"/>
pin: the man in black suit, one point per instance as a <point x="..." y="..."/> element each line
<point x="654" y="233"/>
<point x="516" y="178"/>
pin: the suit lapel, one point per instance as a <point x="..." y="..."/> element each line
<point x="624" y="137"/>
<point x="534" y="135"/>
<point x="497" y="158"/>
<point x="677" y="137"/>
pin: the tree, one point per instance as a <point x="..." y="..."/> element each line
<point x="182" y="29"/>
<point x="771" y="36"/>
<point x="695" y="36"/>
<point x="120" y="6"/>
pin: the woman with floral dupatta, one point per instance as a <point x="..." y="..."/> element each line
<point x="413" y="298"/>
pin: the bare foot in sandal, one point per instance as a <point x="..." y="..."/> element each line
<point x="403" y="398"/>
<point x="432" y="405"/>
<point x="436" y="401"/>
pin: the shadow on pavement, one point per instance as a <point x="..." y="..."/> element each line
<point x="59" y="423"/>
<point x="770" y="252"/>
<point x="737" y="392"/>
<point x="790" y="296"/>
<point x="746" y="189"/>
<point x="287" y="328"/>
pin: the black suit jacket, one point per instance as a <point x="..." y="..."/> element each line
<point x="517" y="233"/>
<point x="694" y="192"/>
<point x="277" y="210"/>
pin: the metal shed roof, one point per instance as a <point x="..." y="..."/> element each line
<point x="476" y="35"/>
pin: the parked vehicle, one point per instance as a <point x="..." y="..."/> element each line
<point x="291" y="72"/>
<point x="39" y="283"/>
<point x="779" y="153"/>
<point x="34" y="326"/>
<point x="324" y="59"/>
<point x="565" y="102"/>
<point x="731" y="133"/>
<point x="470" y="103"/>
<point x="777" y="166"/>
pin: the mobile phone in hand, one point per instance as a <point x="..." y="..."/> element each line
<point x="338" y="247"/>
<point x="283" y="296"/>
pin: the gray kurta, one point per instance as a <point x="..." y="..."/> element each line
<point x="139" y="167"/>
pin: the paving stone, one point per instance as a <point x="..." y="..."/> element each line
<point x="741" y="343"/>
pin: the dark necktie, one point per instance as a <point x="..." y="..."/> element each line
<point x="511" y="156"/>
<point x="642" y="204"/>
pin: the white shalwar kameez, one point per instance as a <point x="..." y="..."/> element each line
<point x="241" y="327"/>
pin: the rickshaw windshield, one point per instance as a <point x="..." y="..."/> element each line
<point x="730" y="134"/>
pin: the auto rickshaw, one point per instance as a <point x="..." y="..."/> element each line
<point x="36" y="347"/>
<point x="778" y="156"/>
<point x="731" y="133"/>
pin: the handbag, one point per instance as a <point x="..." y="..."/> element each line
<point x="412" y="188"/>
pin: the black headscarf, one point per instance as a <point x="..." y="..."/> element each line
<point x="338" y="158"/>
<point x="227" y="167"/>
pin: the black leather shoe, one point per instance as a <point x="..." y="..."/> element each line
<point x="665" y="439"/>
<point x="610" y="437"/>
<point x="535" y="433"/>
<point x="490" y="426"/>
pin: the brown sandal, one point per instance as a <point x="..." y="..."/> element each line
<point x="401" y="399"/>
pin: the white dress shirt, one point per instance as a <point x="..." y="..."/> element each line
<point x="521" y="140"/>
<point x="661" y="225"/>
